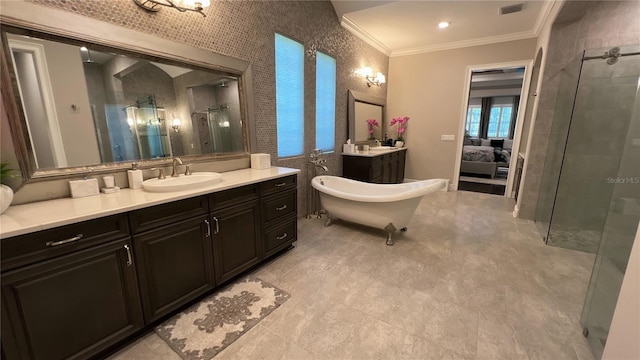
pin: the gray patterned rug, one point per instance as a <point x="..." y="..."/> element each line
<point x="206" y="328"/>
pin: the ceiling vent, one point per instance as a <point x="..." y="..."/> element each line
<point x="511" y="9"/>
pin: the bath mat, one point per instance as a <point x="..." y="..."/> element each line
<point x="206" y="328"/>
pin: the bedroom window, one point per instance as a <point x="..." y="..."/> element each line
<point x="499" y="120"/>
<point x="325" y="102"/>
<point x="473" y="120"/>
<point x="289" y="96"/>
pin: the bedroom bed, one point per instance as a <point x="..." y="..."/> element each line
<point x="483" y="160"/>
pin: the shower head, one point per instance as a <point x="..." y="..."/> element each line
<point x="223" y="85"/>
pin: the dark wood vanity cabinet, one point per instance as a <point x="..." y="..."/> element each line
<point x="243" y="221"/>
<point x="76" y="302"/>
<point x="380" y="169"/>
<point x="236" y="239"/>
<point x="77" y="290"/>
<point x="173" y="248"/>
<point x="175" y="265"/>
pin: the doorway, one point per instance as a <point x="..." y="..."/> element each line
<point x="491" y="127"/>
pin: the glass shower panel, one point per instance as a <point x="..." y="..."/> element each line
<point x="567" y="79"/>
<point x="614" y="98"/>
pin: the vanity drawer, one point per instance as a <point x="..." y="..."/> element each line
<point x="161" y="215"/>
<point x="30" y="248"/>
<point x="226" y="198"/>
<point x="278" y="206"/>
<point x="279" y="184"/>
<point x="279" y="237"/>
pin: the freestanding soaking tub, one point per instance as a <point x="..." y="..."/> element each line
<point x="385" y="206"/>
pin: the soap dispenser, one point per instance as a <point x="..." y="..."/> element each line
<point x="135" y="177"/>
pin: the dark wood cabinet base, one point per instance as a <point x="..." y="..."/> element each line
<point x="380" y="169"/>
<point x="106" y="281"/>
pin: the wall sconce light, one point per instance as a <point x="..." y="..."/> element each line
<point x="191" y="5"/>
<point x="367" y="73"/>
<point x="176" y="125"/>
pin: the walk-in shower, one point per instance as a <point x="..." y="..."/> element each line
<point x="590" y="190"/>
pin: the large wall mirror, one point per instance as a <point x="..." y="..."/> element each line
<point x="361" y="108"/>
<point x="83" y="105"/>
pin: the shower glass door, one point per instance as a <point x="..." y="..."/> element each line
<point x="610" y="107"/>
<point x="567" y="79"/>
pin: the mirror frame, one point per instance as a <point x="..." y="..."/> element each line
<point x="355" y="96"/>
<point x="103" y="36"/>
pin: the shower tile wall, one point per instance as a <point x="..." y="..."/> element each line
<point x="599" y="129"/>
<point x="581" y="25"/>
<point x="245" y="30"/>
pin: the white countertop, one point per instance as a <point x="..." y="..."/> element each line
<point x="27" y="218"/>
<point x="372" y="153"/>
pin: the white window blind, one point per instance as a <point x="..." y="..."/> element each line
<point x="289" y="96"/>
<point x="473" y="117"/>
<point x="325" y="102"/>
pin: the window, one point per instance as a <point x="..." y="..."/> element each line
<point x="473" y="120"/>
<point x="289" y="96"/>
<point x="499" y="121"/>
<point x="325" y="102"/>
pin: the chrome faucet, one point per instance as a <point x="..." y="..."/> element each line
<point x="176" y="161"/>
<point x="314" y="158"/>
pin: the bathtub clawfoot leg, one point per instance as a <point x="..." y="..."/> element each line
<point x="328" y="222"/>
<point x="403" y="229"/>
<point x="390" y="229"/>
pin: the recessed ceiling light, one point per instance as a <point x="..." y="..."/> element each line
<point x="443" y="24"/>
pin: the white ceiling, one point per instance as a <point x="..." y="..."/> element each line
<point x="410" y="27"/>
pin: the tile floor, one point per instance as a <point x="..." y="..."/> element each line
<point x="466" y="281"/>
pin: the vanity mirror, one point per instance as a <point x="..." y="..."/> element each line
<point x="361" y="108"/>
<point x="78" y="103"/>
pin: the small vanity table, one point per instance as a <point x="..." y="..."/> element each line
<point x="380" y="167"/>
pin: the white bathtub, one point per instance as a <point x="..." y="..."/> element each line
<point x="386" y="206"/>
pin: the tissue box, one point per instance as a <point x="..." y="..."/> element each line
<point x="82" y="188"/>
<point x="260" y="161"/>
<point x="348" y="148"/>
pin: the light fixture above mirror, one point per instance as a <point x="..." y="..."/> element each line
<point x="180" y="5"/>
<point x="367" y="73"/>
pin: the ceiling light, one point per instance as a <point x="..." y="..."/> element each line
<point x="443" y="24"/>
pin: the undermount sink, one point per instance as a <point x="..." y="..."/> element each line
<point x="382" y="148"/>
<point x="182" y="182"/>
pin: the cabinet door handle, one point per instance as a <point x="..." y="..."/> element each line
<point x="281" y="184"/>
<point x="217" y="225"/>
<point x="281" y="208"/>
<point x="129" y="258"/>
<point x="62" y="242"/>
<point x="208" y="228"/>
<point x="281" y="237"/>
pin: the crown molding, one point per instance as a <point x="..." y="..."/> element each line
<point x="364" y="36"/>
<point x="544" y="14"/>
<point x="465" y="43"/>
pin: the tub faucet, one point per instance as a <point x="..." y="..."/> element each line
<point x="176" y="161"/>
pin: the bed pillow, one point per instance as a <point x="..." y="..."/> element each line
<point x="485" y="142"/>
<point x="508" y="144"/>
<point x="475" y="142"/>
<point x="497" y="143"/>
